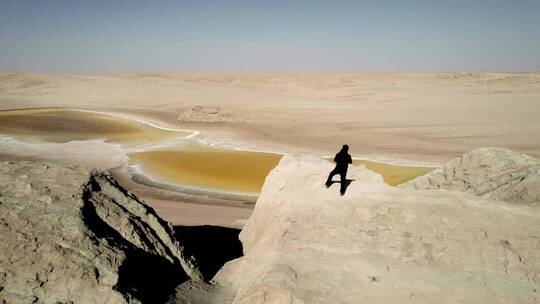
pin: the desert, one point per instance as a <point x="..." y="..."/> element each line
<point x="269" y="152"/>
<point x="420" y="120"/>
<point x="198" y="148"/>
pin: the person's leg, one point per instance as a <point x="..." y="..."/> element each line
<point x="330" y="176"/>
<point x="343" y="175"/>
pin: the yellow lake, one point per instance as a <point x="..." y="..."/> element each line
<point x="189" y="163"/>
<point x="65" y="125"/>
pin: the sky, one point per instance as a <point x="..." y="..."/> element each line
<point x="117" y="36"/>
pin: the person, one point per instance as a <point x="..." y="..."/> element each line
<point x="342" y="160"/>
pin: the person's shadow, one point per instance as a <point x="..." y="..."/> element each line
<point x="347" y="183"/>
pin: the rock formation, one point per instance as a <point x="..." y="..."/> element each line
<point x="204" y="114"/>
<point x="73" y="235"/>
<point x="381" y="244"/>
<point x="492" y="173"/>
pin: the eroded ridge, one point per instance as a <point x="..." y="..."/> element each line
<point x="305" y="243"/>
<point x="492" y="173"/>
<point x="69" y="234"/>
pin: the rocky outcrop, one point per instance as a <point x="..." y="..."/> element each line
<point x="73" y="235"/>
<point x="207" y="114"/>
<point x="380" y="244"/>
<point x="491" y="173"/>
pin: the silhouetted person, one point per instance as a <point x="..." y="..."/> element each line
<point x="342" y="160"/>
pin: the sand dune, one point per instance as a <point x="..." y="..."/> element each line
<point x="410" y="117"/>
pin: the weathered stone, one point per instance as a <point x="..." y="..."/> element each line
<point x="69" y="234"/>
<point x="381" y="244"/>
<point x="204" y="114"/>
<point x="492" y="173"/>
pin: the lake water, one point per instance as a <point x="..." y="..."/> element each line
<point x="65" y="125"/>
<point x="186" y="162"/>
<point x="202" y="166"/>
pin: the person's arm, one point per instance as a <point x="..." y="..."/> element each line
<point x="336" y="158"/>
<point x="350" y="159"/>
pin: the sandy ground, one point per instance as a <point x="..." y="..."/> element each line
<point x="418" y="118"/>
<point x="184" y="209"/>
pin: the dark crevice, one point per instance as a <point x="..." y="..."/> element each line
<point x="210" y="246"/>
<point x="140" y="224"/>
<point x="149" y="278"/>
<point x="149" y="210"/>
<point x="146" y="277"/>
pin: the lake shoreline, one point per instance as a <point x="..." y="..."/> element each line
<point x="150" y="181"/>
<point x="199" y="137"/>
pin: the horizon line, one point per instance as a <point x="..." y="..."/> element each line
<point x="272" y="71"/>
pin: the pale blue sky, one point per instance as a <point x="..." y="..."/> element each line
<point x="166" y="36"/>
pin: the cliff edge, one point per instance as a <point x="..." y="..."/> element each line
<point x="305" y="243"/>
<point x="73" y="235"/>
<point x="492" y="173"/>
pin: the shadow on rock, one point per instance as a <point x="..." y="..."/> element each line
<point x="211" y="246"/>
<point x="347" y="183"/>
<point x="146" y="277"/>
<point x="149" y="278"/>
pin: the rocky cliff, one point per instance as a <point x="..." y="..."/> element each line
<point x="381" y="244"/>
<point x="73" y="235"/>
<point x="492" y="173"/>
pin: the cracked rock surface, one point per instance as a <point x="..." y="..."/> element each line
<point x="492" y="173"/>
<point x="305" y="243"/>
<point x="73" y="235"/>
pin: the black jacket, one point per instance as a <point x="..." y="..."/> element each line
<point x="342" y="160"/>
